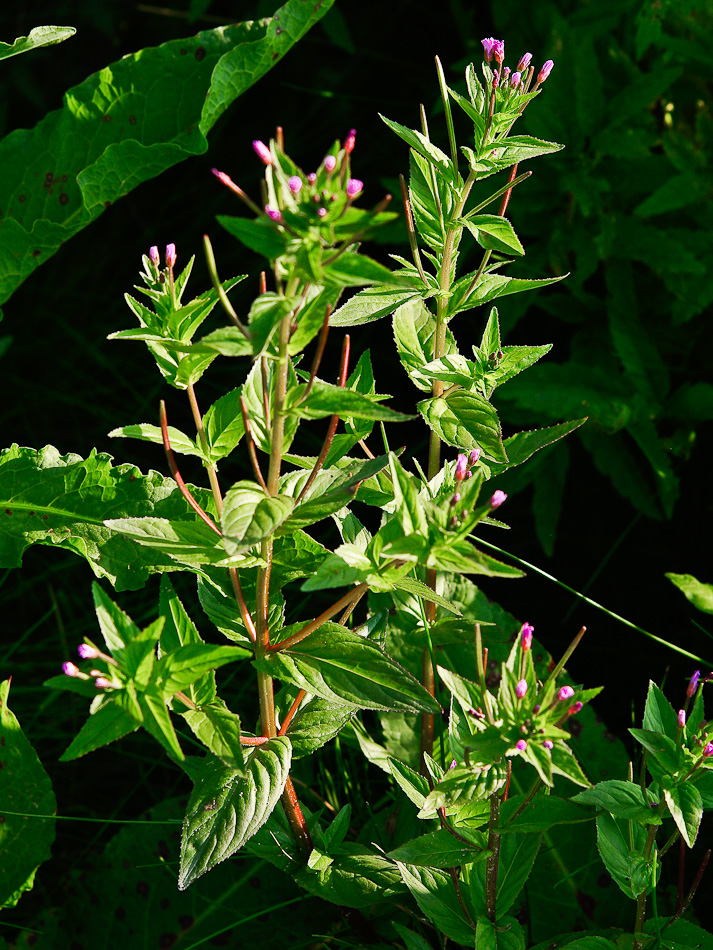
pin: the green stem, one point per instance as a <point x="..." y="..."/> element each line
<point x="641" y="900"/>
<point x="492" y="861"/>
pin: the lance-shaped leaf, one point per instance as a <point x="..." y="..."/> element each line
<point x="26" y="790"/>
<point x="356" y="270"/>
<point x="106" y="724"/>
<point x="518" y="148"/>
<point x="414" y="332"/>
<point x="436" y="896"/>
<point x="343" y="667"/>
<point x="192" y="544"/>
<point x="421" y="144"/>
<point x="146" y="432"/>
<point x="466" y="421"/>
<point x="686" y="807"/>
<point x="62" y="500"/>
<point x="219" y="730"/>
<point x="620" y="844"/>
<point x="521" y="446"/>
<point x="226" y="809"/>
<point x="493" y="232"/>
<point x="315" y="723"/>
<point x="114" y="131"/>
<point x="181" y="667"/>
<point x="439" y="849"/>
<point x="38" y="36"/>
<point x="325" y="399"/>
<point x="699" y="594"/>
<point x="223" y="425"/>
<point x="370" y="305"/>
<point x="249" y="515"/>
<point x="621" y="799"/>
<point x="409" y="510"/>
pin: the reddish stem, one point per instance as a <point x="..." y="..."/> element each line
<point x="251" y="446"/>
<point x="296" y="818"/>
<point x="254" y="740"/>
<point x="293" y="709"/>
<point x="323" y="618"/>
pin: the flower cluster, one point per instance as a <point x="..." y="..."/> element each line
<point x="521" y="79"/>
<point x="88" y="651"/>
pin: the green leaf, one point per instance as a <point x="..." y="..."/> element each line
<point x="409" y="510"/>
<point x="223" y="425"/>
<point x="315" y="723"/>
<point x="369" y="305"/>
<point x="119" y="133"/>
<point x="355" y="270"/>
<point x="419" y="589"/>
<point x="249" y="516"/>
<point x="517" y="857"/>
<point x="659" y="714"/>
<point x="523" y="445"/>
<point x="219" y="730"/>
<point x="190" y="543"/>
<point x="158" y="723"/>
<point x="493" y="232"/>
<point x="435" y="895"/>
<point x="664" y="750"/>
<point x="343" y="667"/>
<point x="699" y="594"/>
<point x="180" y="442"/>
<point x="413" y="784"/>
<point x="541" y="814"/>
<point x="181" y="667"/>
<point x="439" y="849"/>
<point x="39" y="36"/>
<point x="226" y="809"/>
<point x="686" y="807"/>
<point x="46" y="498"/>
<point x="418" y="141"/>
<point x="519" y="148"/>
<point x="26" y="789"/>
<point x="325" y="399"/>
<point x="621" y="799"/>
<point x="106" y="724"/>
<point x="466" y="421"/>
<point x="626" y="865"/>
<point x="507" y="934"/>
<point x="412" y="941"/>
<point x="414" y="332"/>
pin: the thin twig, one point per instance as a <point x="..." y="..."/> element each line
<point x="263" y="282"/>
<point x="313" y="625"/>
<point x="177" y="475"/>
<point x="413" y="244"/>
<point x="367" y="450"/>
<point x="348" y="612"/>
<point x="251" y="445"/>
<point x="254" y="740"/>
<point x="291" y="712"/>
<point x="217" y="286"/>
<point x="322" y="342"/>
<point x="265" y="391"/>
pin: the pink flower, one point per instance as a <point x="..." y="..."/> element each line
<point x="295" y="183"/>
<point x="565" y="693"/>
<point x="524" y="62"/>
<point x="708" y="751"/>
<point x="170" y="254"/>
<point x="461" y="466"/>
<point x="101" y="682"/>
<point x="488" y="46"/>
<point x="526" y="632"/>
<point x="330" y="163"/>
<point x="262" y="151"/>
<point x="693" y="683"/>
<point x="506" y="73"/>
<point x="87" y="652"/>
<point x="354" y="186"/>
<point x="154" y="256"/>
<point x="456" y="498"/>
<point x="350" y="141"/>
<point x="474" y="456"/>
<point x="452" y="765"/>
<point x="681" y="718"/>
<point x="545" y="71"/>
<point x="69" y="669"/>
<point x="516" y="80"/>
<point x="499" y="51"/>
<point x="273" y="213"/>
<point x="548" y="744"/>
<point x="322" y="212"/>
<point x="521" y="745"/>
<point x="497" y="499"/>
<point x="521" y="689"/>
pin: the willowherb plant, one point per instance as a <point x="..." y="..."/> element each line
<point x="248" y="546"/>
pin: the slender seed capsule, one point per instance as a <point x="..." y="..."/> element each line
<point x="262" y="151"/>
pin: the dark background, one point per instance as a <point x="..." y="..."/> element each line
<point x="64" y="384"/>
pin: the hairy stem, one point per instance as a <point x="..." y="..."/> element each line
<point x="491" y="865"/>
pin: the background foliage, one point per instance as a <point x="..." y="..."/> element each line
<point x="625" y="208"/>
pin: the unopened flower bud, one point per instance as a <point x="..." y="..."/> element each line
<point x="521" y="745"/>
<point x="681" y="718"/>
<point x="708" y="751"/>
<point x="474" y="456"/>
<point x="536" y="708"/>
<point x="566" y="692"/>
<point x="69" y="669"/>
<point x="497" y="499"/>
<point x="312" y="177"/>
<point x="506" y="73"/>
<point x="322" y="212"/>
<point x="456" y="498"/>
<point x="101" y="682"/>
<point x="548" y="744"/>
<point x="295" y="183"/>
<point x="350" y="141"/>
<point x="524" y="62"/>
<point x="87" y="652"/>
<point x="574" y="708"/>
<point x="452" y="765"/>
<point x="461" y="466"/>
<point x="693" y="683"/>
<point x="526" y="632"/>
<point x="330" y="163"/>
<point x="515" y="80"/>
<point x="499" y="51"/>
<point x="354" y="186"/>
<point x="496" y="78"/>
<point x="545" y="71"/>
<point x="154" y="256"/>
<point x="488" y="45"/>
<point x="262" y="151"/>
<point x="521" y="689"/>
<point x="170" y="255"/>
<point x="273" y="213"/>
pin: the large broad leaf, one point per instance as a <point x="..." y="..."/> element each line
<point x="39" y="36"/>
<point x="127" y="124"/>
<point x="414" y="333"/>
<point x="226" y="808"/>
<point x="466" y="421"/>
<point x="343" y="667"/>
<point x="63" y="500"/>
<point x="26" y="792"/>
<point x="436" y="896"/>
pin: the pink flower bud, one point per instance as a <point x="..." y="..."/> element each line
<point x="69" y="669"/>
<point x="154" y="256"/>
<point x="461" y="466"/>
<point x="497" y="499"/>
<point x="693" y="683"/>
<point x="548" y="744"/>
<point x="295" y="183"/>
<point x="101" y="682"/>
<point x="536" y="708"/>
<point x="322" y="212"/>
<point x="521" y="745"/>
<point x="524" y="62"/>
<point x="574" y="708"/>
<point x="262" y="151"/>
<point x="499" y="51"/>
<point x="681" y="718"/>
<point x="496" y="78"/>
<point x="452" y="765"/>
<point x="312" y="178"/>
<point x="474" y="456"/>
<point x="488" y="45"/>
<point x="516" y="80"/>
<point x="506" y="73"/>
<point x="222" y="177"/>
<point x="273" y="213"/>
<point x="87" y="652"/>
<point x="354" y="186"/>
<point x="456" y="498"/>
<point x="521" y="689"/>
<point x="526" y="632"/>
<point x="545" y="71"/>
<point x="330" y="163"/>
<point x="350" y="141"/>
<point x="566" y="692"/>
<point x="708" y="751"/>
<point x="170" y="255"/>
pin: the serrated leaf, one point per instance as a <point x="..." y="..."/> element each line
<point x="191" y="543"/>
<point x="369" y="305"/>
<point x="119" y="133"/>
<point x="38" y="36"/>
<point x="219" y="730"/>
<point x="180" y="442"/>
<point x="541" y="814"/>
<point x="493" y="232"/>
<point x="435" y="895"/>
<point x="625" y="864"/>
<point x="181" y="667"/>
<point x="315" y="723"/>
<point x="343" y="667"/>
<point x="109" y="723"/>
<point x="699" y="594"/>
<point x="516" y="859"/>
<point x="223" y="425"/>
<point x="686" y="807"/>
<point x="26" y="790"/>
<point x="523" y="445"/>
<point x="664" y="750"/>
<point x="419" y="142"/>
<point x="621" y="799"/>
<point x="414" y="332"/>
<point x="226" y="809"/>
<point x="325" y="399"/>
<point x="249" y="516"/>
<point x="440" y="849"/>
<point x="659" y="714"/>
<point x="466" y="421"/>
